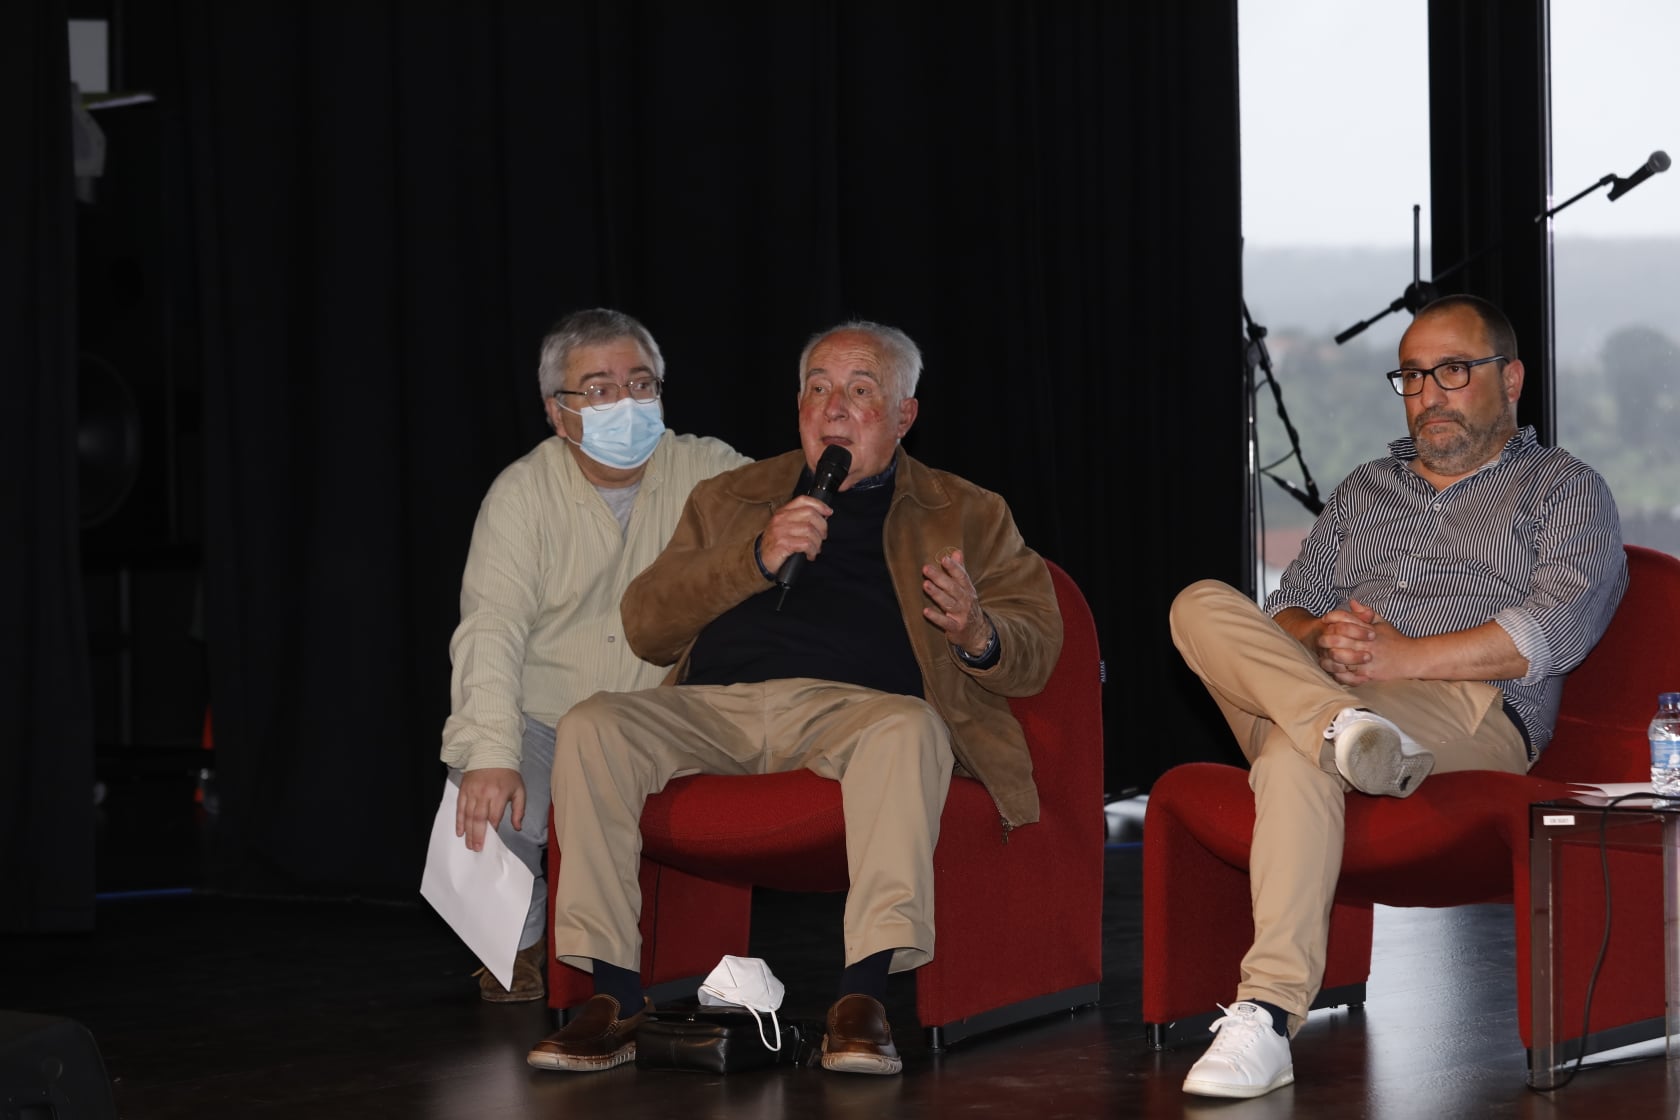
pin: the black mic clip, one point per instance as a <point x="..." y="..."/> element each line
<point x="1658" y="162"/>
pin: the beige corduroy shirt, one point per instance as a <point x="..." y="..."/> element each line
<point x="548" y="562"/>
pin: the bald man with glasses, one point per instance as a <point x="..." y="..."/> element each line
<point x="1426" y="625"/>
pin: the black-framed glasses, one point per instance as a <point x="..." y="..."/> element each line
<point x="1448" y="375"/>
<point x="605" y="394"/>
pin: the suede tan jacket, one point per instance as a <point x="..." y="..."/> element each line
<point x="709" y="566"/>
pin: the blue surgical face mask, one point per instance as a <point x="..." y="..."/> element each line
<point x="622" y="436"/>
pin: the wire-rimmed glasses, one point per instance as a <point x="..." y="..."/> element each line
<point x="605" y="394"/>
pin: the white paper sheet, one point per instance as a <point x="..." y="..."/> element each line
<point x="482" y="895"/>
<point x="1602" y="793"/>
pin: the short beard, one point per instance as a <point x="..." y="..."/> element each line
<point x="1464" y="452"/>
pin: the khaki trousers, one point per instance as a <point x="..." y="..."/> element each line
<point x="1279" y="703"/>
<point x="891" y="755"/>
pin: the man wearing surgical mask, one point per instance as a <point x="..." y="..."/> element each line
<point x="559" y="534"/>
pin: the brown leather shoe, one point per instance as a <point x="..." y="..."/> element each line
<point x="859" y="1039"/>
<point x="595" y="1039"/>
<point x="528" y="977"/>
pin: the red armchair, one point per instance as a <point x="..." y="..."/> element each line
<point x="1019" y="924"/>
<point x="1461" y="838"/>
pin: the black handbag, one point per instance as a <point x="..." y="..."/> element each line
<point x="721" y="1039"/>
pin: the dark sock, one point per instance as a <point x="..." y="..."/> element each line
<point x="1280" y="1017"/>
<point x="868" y="976"/>
<point x="620" y="983"/>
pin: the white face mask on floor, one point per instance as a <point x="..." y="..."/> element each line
<point x="746" y="982"/>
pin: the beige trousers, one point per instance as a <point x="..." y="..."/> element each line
<point x="1279" y="703"/>
<point x="891" y="755"/>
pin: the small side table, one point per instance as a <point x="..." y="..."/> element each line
<point x="1642" y="825"/>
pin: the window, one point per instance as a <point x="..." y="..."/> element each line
<point x="1335" y="157"/>
<point x="1616" y="265"/>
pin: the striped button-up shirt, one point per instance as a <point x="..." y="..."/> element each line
<point x="1532" y="541"/>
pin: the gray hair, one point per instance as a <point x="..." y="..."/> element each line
<point x="593" y="327"/>
<point x="899" y="353"/>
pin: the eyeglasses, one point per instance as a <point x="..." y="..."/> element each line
<point x="605" y="394"/>
<point x="1448" y="375"/>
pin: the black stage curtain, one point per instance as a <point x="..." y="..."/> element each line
<point x="383" y="206"/>
<point x="46" y="726"/>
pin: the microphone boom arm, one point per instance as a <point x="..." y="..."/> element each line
<point x="1416" y="290"/>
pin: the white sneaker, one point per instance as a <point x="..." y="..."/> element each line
<point x="1375" y="756"/>
<point x="1246" y="1058"/>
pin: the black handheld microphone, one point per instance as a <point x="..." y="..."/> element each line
<point x="825" y="482"/>
<point x="1659" y="161"/>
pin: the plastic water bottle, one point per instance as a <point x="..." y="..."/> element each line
<point x="1665" y="745"/>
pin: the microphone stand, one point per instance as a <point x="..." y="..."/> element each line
<point x="1257" y="356"/>
<point x="1418" y="294"/>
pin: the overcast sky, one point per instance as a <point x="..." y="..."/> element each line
<point x="1335" y="118"/>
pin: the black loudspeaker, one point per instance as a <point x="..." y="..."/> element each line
<point x="50" y="1069"/>
<point x="140" y="407"/>
<point x="139" y="439"/>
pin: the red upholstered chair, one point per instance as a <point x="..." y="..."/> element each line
<point x="1461" y="838"/>
<point x="1019" y="923"/>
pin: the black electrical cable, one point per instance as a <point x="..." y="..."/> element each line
<point x="1604" y="944"/>
<point x="1258" y="356"/>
